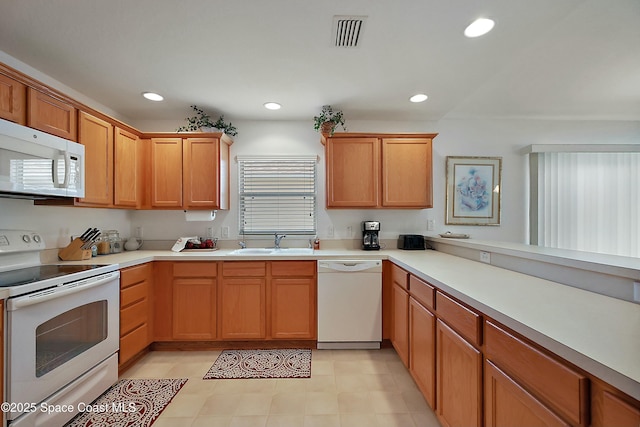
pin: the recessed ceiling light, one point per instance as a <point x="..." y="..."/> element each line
<point x="421" y="97"/>
<point x="152" y="96"/>
<point x="272" y="106"/>
<point x="479" y="27"/>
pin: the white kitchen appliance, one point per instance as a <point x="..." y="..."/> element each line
<point x="62" y="331"/>
<point x="36" y="165"/>
<point x="349" y="304"/>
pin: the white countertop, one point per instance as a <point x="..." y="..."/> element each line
<point x="597" y="333"/>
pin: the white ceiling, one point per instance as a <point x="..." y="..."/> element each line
<point x="568" y="59"/>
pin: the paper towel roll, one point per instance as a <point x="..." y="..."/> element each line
<point x="200" y="215"/>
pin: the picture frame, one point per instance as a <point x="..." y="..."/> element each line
<point x="473" y="190"/>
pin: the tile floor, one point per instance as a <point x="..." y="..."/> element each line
<point x="347" y="388"/>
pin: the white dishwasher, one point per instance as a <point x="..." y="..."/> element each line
<point x="349" y="304"/>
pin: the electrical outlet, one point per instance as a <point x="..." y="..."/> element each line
<point x="636" y="291"/>
<point x="485" y="257"/>
<point x="431" y="224"/>
<point x="330" y="231"/>
<point x="139" y="232"/>
<point x="210" y="232"/>
<point x="225" y="232"/>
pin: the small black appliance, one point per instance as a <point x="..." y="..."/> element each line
<point x="370" y="240"/>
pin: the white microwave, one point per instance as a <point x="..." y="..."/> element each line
<point x="35" y="164"/>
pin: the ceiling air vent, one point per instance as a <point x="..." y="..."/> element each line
<point x="347" y="30"/>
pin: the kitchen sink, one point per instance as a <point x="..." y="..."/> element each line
<point x="272" y="251"/>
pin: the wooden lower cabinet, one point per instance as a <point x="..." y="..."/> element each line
<point x="194" y="308"/>
<point x="507" y="403"/>
<point x="611" y="408"/>
<point x="458" y="379"/>
<point x="422" y="350"/>
<point x="400" y="313"/>
<point x="243" y="308"/>
<point x="135" y="310"/>
<point x="293" y="303"/>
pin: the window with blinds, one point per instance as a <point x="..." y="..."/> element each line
<point x="587" y="201"/>
<point x="277" y="194"/>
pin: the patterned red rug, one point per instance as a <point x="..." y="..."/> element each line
<point x="280" y="363"/>
<point x="130" y="403"/>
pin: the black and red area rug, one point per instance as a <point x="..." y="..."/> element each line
<point x="129" y="403"/>
<point x="279" y="363"/>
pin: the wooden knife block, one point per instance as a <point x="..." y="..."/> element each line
<point x="74" y="251"/>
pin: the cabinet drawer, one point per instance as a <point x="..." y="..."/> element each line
<point x="132" y="275"/>
<point x="244" y="269"/>
<point x="466" y="322"/>
<point x="422" y="292"/>
<point x="293" y="268"/>
<point x="400" y="277"/>
<point x="133" y="316"/>
<point x="133" y="293"/>
<point x="559" y="386"/>
<point x="133" y="343"/>
<point x="194" y="269"/>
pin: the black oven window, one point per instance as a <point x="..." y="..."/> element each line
<point x="69" y="334"/>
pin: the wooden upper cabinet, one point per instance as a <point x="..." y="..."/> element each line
<point x="406" y="172"/>
<point x="51" y="115"/>
<point x="189" y="173"/>
<point x="379" y="170"/>
<point x="353" y="172"/>
<point x="13" y="100"/>
<point x="126" y="169"/>
<point x="166" y="172"/>
<point x="200" y="164"/>
<point x="97" y="137"/>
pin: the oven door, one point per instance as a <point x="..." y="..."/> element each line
<point x="56" y="335"/>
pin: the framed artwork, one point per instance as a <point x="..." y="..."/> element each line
<point x="473" y="190"/>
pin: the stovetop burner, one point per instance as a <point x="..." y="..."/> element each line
<point x="23" y="276"/>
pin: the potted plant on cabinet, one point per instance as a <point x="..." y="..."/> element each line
<point x="328" y="120"/>
<point x="202" y="121"/>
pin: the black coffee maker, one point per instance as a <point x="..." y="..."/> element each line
<point x="370" y="230"/>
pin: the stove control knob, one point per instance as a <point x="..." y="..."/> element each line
<point x="37" y="238"/>
<point x="26" y="238"/>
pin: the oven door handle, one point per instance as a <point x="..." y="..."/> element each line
<point x="59" y="291"/>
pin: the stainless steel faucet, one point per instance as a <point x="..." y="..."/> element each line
<point x="277" y="239"/>
<point x="243" y="245"/>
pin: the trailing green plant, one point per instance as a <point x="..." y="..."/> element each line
<point x="332" y="117"/>
<point x="203" y="120"/>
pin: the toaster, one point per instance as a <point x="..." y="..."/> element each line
<point x="411" y="242"/>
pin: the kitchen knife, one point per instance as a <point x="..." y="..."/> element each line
<point x="91" y="238"/>
<point x="86" y="234"/>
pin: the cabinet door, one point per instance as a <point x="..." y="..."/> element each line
<point x="422" y="350"/>
<point x="13" y="100"/>
<point x="97" y="137"/>
<point x="201" y="173"/>
<point x="293" y="308"/>
<point x="353" y="177"/>
<point x="51" y="115"/>
<point x="126" y="174"/>
<point x="243" y="308"/>
<point x="508" y="404"/>
<point x="194" y="308"/>
<point x="458" y="379"/>
<point x="406" y="172"/>
<point x="135" y="310"/>
<point x="166" y="172"/>
<point x="400" y="328"/>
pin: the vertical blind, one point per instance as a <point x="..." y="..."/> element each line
<point x="589" y="202"/>
<point x="277" y="194"/>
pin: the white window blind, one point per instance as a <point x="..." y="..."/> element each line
<point x="277" y="194"/>
<point x="588" y="201"/>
